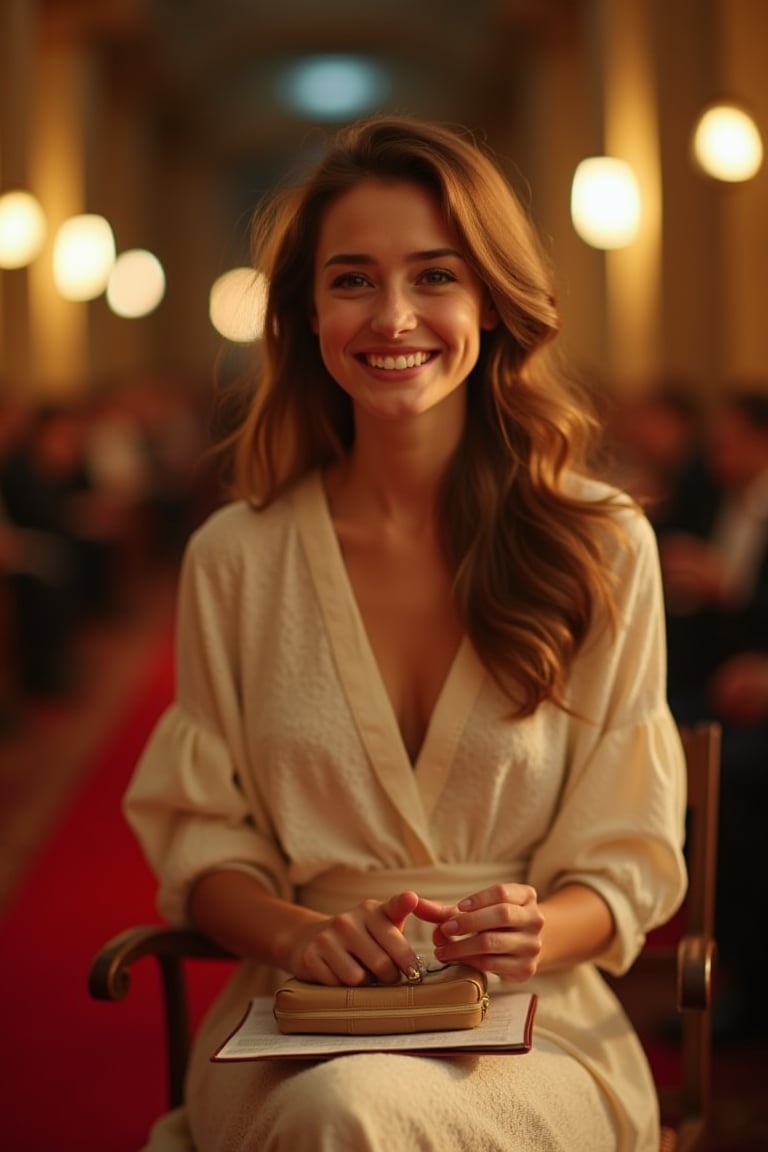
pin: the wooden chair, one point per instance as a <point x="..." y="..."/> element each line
<point x="683" y="965"/>
<point x="676" y="966"/>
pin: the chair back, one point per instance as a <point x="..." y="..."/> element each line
<point x="672" y="979"/>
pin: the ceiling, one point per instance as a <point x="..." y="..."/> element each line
<point x="206" y="70"/>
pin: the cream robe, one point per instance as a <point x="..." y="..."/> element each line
<point x="282" y="754"/>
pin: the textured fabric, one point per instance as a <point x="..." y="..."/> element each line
<point x="282" y="753"/>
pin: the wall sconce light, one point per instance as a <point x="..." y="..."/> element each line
<point x="83" y="255"/>
<point x="22" y="229"/>
<point x="236" y="306"/>
<point x="605" y="202"/>
<point x="136" y="284"/>
<point x="726" y="143"/>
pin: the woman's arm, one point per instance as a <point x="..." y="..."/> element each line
<point x="236" y="910"/>
<point x="578" y="926"/>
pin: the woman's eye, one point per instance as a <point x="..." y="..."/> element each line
<point x="438" y="276"/>
<point x="349" y="280"/>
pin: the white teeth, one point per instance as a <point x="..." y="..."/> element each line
<point x="398" y="363"/>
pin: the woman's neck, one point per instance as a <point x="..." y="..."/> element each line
<point x="394" y="471"/>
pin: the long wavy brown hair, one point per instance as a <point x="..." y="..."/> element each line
<point x="528" y="558"/>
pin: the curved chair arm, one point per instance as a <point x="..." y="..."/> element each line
<point x="110" y="974"/>
<point x="695" y="966"/>
<point x="110" y="979"/>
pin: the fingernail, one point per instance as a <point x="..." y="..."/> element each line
<point x="450" y="927"/>
<point x="465" y="905"/>
<point x="415" y="973"/>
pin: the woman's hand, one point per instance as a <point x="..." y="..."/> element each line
<point x="357" y="947"/>
<point x="497" y="930"/>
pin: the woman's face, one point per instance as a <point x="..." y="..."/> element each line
<point x="397" y="309"/>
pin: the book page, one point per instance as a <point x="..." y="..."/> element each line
<point x="507" y="1028"/>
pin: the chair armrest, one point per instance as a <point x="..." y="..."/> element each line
<point x="110" y="977"/>
<point x="695" y="965"/>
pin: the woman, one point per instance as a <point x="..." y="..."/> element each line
<point x="420" y="678"/>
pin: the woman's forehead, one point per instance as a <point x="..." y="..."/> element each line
<point x="389" y="213"/>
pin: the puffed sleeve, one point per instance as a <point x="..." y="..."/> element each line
<point x="192" y="802"/>
<point x="620" y="825"/>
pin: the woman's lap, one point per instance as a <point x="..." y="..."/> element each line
<point x="543" y="1101"/>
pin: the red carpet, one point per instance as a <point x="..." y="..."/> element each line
<point x="82" y="1076"/>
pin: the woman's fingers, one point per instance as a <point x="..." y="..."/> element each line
<point x="398" y="908"/>
<point x="432" y="911"/>
<point x="364" y="944"/>
<point x="497" y="930"/>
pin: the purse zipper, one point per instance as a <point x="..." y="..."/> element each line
<point x="386" y="1013"/>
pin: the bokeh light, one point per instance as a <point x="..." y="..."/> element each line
<point x="83" y="256"/>
<point x="727" y="144"/>
<point x="333" y="87"/>
<point x="605" y="202"/>
<point x="22" y="229"/>
<point x="237" y="303"/>
<point x="136" y="283"/>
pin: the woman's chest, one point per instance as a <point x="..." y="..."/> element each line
<point x="404" y="597"/>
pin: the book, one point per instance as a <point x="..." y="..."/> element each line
<point x="506" y="1029"/>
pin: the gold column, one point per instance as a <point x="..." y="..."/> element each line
<point x="633" y="274"/>
<point x="564" y="117"/>
<point x="59" y="328"/>
<point x="16" y="80"/>
<point x="743" y="37"/>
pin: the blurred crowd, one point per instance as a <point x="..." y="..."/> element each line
<point x="700" y="468"/>
<point x="90" y="491"/>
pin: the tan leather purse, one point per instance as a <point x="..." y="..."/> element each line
<point x="451" y="998"/>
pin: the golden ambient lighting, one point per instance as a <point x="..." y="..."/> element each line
<point x="236" y="305"/>
<point x="136" y="284"/>
<point x="83" y="255"/>
<point x="22" y="229"/>
<point x="727" y="144"/>
<point x="605" y="202"/>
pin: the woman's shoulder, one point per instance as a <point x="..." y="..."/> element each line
<point x="237" y="525"/>
<point x="228" y="529"/>
<point x="595" y="490"/>
<point x="240" y="532"/>
<point x="621" y="507"/>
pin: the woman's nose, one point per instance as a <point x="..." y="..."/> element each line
<point x="393" y="314"/>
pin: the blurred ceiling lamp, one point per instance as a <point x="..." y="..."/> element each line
<point x="237" y="304"/>
<point x="136" y="284"/>
<point x="605" y="202"/>
<point x="333" y="87"/>
<point x="22" y="229"/>
<point x="83" y="255"/>
<point x="727" y="144"/>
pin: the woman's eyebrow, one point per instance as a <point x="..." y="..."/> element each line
<point x="360" y="258"/>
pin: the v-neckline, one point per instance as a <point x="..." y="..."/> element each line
<point x="374" y="714"/>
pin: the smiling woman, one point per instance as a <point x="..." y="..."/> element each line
<point x="420" y="642"/>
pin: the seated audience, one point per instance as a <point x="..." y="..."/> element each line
<point x="654" y="434"/>
<point x="38" y="566"/>
<point x="714" y="554"/>
<point x="47" y="487"/>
